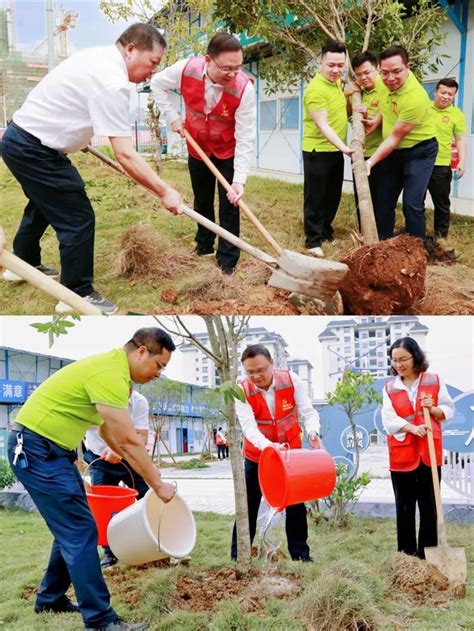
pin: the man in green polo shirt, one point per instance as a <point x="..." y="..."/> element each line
<point x="409" y="148"/>
<point x="450" y="125"/>
<point x="324" y="143"/>
<point x="367" y="80"/>
<point x="41" y="451"/>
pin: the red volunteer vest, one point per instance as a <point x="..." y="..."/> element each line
<point x="214" y="132"/>
<point x="284" y="428"/>
<point x="407" y="454"/>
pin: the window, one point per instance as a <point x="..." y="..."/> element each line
<point x="347" y="349"/>
<point x="290" y="113"/>
<point x="205" y="369"/>
<point x="347" y="338"/>
<point x="268" y="115"/>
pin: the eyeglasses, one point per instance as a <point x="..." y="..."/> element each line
<point x="258" y="371"/>
<point x="402" y="360"/>
<point x="161" y="367"/>
<point x="228" y="69"/>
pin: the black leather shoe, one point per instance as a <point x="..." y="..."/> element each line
<point x="108" y="561"/>
<point x="61" y="606"/>
<point x="119" y="625"/>
<point x="228" y="271"/>
<point x="204" y="251"/>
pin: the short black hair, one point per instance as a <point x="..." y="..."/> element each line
<point x="333" y="46"/>
<point x="420" y="363"/>
<point x="361" y="58"/>
<point x="223" y="42"/>
<point x="144" y="36"/>
<point x="255" y="349"/>
<point x="449" y="83"/>
<point x="395" y="51"/>
<point x="153" y="338"/>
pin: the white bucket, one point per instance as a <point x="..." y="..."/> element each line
<point x="150" y="530"/>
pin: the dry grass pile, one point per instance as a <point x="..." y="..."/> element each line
<point x="336" y="601"/>
<point x="420" y="581"/>
<point x="448" y="291"/>
<point x="143" y="255"/>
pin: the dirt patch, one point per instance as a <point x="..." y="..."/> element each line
<point x="448" y="291"/>
<point x="203" y="592"/>
<point x="422" y="582"/>
<point x="121" y="584"/>
<point x="386" y="278"/>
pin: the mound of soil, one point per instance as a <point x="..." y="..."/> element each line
<point x="252" y="592"/>
<point x="386" y="278"/>
<point x="422" y="582"/>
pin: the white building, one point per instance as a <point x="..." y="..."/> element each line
<point x="280" y="114"/>
<point x="199" y="369"/>
<point x="363" y="344"/>
<point x="303" y="368"/>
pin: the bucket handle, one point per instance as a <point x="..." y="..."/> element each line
<point x="121" y="462"/>
<point x="159" y="520"/>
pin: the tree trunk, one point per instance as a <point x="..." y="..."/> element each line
<point x="359" y="170"/>
<point x="154" y="123"/>
<point x="244" y="557"/>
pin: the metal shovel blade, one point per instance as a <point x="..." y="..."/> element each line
<point x="320" y="278"/>
<point x="449" y="561"/>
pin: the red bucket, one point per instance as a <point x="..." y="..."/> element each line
<point x="106" y="501"/>
<point x="292" y="476"/>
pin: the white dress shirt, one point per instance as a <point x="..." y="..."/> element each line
<point x="87" y="94"/>
<point x="245" y="115"/>
<point x="306" y="413"/>
<point x="392" y="422"/>
<point x="138" y="409"/>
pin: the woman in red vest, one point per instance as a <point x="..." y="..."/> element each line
<point x="221" y="116"/>
<point x="402" y="415"/>
<point x="276" y="402"/>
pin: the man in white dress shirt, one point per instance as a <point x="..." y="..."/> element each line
<point x="276" y="402"/>
<point x="220" y="115"/>
<point x="107" y="467"/>
<point x="86" y="94"/>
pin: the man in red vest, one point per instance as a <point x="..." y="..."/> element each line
<point x="410" y="467"/>
<point x="220" y="115"/>
<point x="276" y="401"/>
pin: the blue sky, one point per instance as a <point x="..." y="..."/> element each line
<point x="92" y="28"/>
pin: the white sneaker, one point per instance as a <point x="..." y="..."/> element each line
<point x="95" y="299"/>
<point x="11" y="277"/>
<point x="316" y="252"/>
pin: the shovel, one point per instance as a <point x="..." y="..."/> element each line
<point x="294" y="263"/>
<point x="449" y="561"/>
<point x="298" y="273"/>
<point x="45" y="283"/>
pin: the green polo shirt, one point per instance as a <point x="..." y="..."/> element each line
<point x="449" y="123"/>
<point x="62" y="408"/>
<point x="409" y="104"/>
<point x="322" y="94"/>
<point x="371" y="99"/>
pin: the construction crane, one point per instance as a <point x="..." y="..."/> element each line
<point x="65" y="20"/>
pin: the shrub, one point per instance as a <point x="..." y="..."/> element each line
<point x="7" y="477"/>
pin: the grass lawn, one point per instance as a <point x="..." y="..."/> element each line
<point x="120" y="204"/>
<point x="351" y="574"/>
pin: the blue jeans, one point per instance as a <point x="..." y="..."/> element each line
<point x="56" y="196"/>
<point x="407" y="170"/>
<point x="55" y="485"/>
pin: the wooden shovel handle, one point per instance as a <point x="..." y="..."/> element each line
<point x="47" y="284"/>
<point x="434" y="469"/>
<point x="242" y="205"/>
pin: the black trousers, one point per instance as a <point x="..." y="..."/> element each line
<point x="374" y="183"/>
<point x="56" y="196"/>
<point x="296" y="519"/>
<point x="412" y="488"/>
<point x="221" y="452"/>
<point x="323" y="177"/>
<point x="204" y="186"/>
<point x="439" y="187"/>
<point x="407" y="170"/>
